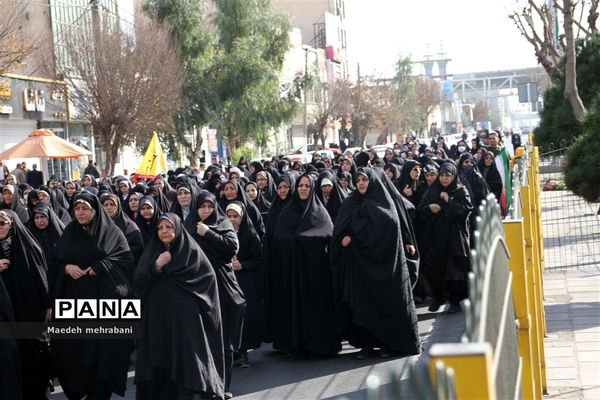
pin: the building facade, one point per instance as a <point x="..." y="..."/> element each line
<point x="33" y="95"/>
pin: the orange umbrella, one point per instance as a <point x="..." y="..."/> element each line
<point x="44" y="143"/>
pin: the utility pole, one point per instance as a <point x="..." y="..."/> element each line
<point x="305" y="125"/>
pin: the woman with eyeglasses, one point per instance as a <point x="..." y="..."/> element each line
<point x="372" y="285"/>
<point x="443" y="216"/>
<point x="23" y="271"/>
<point x="301" y="282"/>
<point x="94" y="261"/>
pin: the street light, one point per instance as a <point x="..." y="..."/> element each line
<point x="306" y="49"/>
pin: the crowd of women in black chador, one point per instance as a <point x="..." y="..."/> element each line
<point x="302" y="257"/>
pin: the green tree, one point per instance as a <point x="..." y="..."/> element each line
<point x="232" y="65"/>
<point x="582" y="174"/>
<point x="251" y="47"/>
<point x="188" y="26"/>
<point x="558" y="125"/>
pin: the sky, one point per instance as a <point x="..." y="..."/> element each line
<point x="476" y="34"/>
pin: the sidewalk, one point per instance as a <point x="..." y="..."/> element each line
<point x="572" y="305"/>
<point x="571" y="231"/>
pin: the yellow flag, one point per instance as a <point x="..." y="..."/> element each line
<point x="154" y="161"/>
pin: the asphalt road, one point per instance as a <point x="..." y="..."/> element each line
<point x="271" y="376"/>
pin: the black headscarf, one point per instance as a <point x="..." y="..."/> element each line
<point x="491" y="174"/>
<point x="148" y="227"/>
<point x="252" y="210"/>
<point x="260" y="202"/>
<point x="192" y="218"/>
<point x="26" y="277"/>
<point x="127" y="226"/>
<point x="471" y="178"/>
<point x="406" y="180"/>
<point x="179" y="302"/>
<point x="48" y="239"/>
<point x="16" y="204"/>
<point x="215" y="182"/>
<point x="336" y="196"/>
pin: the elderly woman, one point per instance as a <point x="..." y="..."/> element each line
<point x="94" y="262"/>
<point x="180" y="307"/>
<point x="372" y="285"/>
<point x="23" y="272"/>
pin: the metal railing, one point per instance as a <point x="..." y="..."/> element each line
<point x="571" y="225"/>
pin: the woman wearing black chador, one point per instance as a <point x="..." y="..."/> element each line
<point x="94" y="261"/>
<point x="372" y="285"/>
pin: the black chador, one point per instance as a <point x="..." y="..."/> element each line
<point x="301" y="280"/>
<point x="96" y="367"/>
<point x="180" y="352"/>
<point x="371" y="278"/>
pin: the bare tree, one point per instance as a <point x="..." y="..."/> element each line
<point x="571" y="92"/>
<point x="537" y="23"/>
<point x="428" y="97"/>
<point x="14" y="46"/>
<point x="126" y="84"/>
<point x="329" y="109"/>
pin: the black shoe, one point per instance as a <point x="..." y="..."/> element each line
<point x="435" y="305"/>
<point x="365" y="352"/>
<point x="454" y="308"/>
<point x="243" y="362"/>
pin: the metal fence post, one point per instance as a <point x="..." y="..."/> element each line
<point x="537" y="292"/>
<point x="472" y="366"/>
<point x="522" y="285"/>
